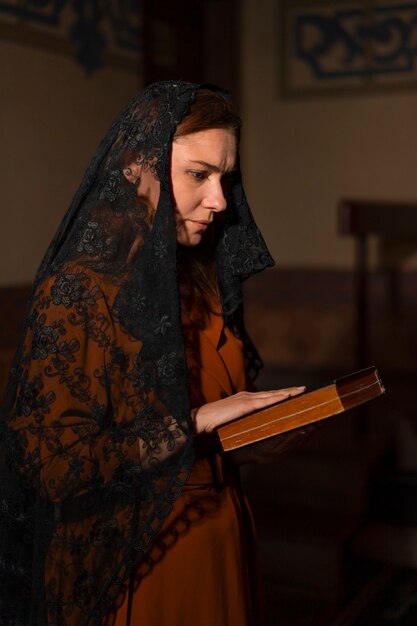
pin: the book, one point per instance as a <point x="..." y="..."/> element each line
<point x="345" y="393"/>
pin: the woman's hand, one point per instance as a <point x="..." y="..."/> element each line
<point x="214" y="414"/>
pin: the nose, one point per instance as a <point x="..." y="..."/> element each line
<point x="215" y="198"/>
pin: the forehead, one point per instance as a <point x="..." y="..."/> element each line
<point x="215" y="145"/>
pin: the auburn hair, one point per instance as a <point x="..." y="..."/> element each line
<point x="210" y="109"/>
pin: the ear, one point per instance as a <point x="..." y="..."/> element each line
<point x="132" y="173"/>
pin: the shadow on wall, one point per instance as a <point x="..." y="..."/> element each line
<point x="303" y="320"/>
<point x="13" y="305"/>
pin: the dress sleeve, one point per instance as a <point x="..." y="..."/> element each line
<point x="78" y="416"/>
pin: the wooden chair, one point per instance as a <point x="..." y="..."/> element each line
<point x="389" y="535"/>
<point x="393" y="223"/>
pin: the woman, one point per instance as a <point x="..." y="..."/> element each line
<point x="116" y="508"/>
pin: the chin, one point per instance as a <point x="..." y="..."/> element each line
<point x="189" y="240"/>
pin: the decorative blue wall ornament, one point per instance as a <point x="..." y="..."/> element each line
<point x="100" y="31"/>
<point x="352" y="45"/>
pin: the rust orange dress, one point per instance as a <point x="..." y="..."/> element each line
<point x="200" y="569"/>
<point x="197" y="571"/>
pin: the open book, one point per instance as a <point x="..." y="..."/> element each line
<point x="345" y="393"/>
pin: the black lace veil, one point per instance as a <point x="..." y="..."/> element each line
<point x="96" y="430"/>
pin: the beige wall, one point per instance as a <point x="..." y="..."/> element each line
<point x="301" y="156"/>
<point x="52" y="116"/>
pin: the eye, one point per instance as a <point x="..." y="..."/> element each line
<point x="198" y="174"/>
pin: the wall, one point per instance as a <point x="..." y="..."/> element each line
<point x="301" y="156"/>
<point x="52" y="116"/>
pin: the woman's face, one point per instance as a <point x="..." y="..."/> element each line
<point x="200" y="164"/>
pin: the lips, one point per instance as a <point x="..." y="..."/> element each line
<point x="202" y="224"/>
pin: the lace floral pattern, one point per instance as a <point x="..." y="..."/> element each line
<point x="96" y="431"/>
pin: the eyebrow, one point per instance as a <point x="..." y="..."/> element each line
<point x="214" y="168"/>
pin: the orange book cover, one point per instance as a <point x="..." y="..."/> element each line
<point x="345" y="393"/>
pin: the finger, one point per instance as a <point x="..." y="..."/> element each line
<point x="290" y="391"/>
<point x="261" y="399"/>
<point x="271" y="394"/>
<point x="260" y="402"/>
